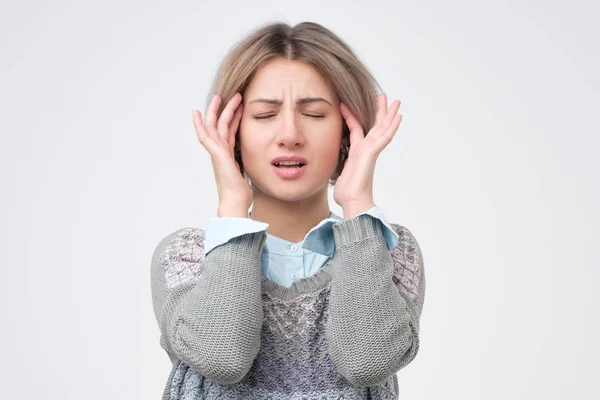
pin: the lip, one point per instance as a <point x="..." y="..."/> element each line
<point x="289" y="158"/>
<point x="290" y="172"/>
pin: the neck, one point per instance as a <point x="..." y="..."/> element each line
<point x="287" y="220"/>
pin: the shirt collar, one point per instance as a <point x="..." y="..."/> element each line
<point x="319" y="239"/>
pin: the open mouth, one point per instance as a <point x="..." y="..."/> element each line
<point x="289" y="170"/>
<point x="289" y="165"/>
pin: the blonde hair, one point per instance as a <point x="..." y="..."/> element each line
<point x="307" y="42"/>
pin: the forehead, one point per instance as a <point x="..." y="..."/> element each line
<point x="279" y="76"/>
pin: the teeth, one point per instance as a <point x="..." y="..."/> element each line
<point x="288" y="163"/>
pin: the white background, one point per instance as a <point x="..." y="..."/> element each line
<point x="492" y="170"/>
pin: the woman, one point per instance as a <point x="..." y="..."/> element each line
<point x="290" y="300"/>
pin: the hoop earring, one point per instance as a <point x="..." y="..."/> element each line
<point x="344" y="150"/>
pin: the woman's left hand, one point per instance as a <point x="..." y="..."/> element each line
<point x="353" y="190"/>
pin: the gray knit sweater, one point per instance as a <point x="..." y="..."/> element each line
<point x="342" y="333"/>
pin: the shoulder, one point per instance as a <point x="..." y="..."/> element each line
<point x="407" y="242"/>
<point x="181" y="242"/>
<point x="179" y="254"/>
<point x="408" y="261"/>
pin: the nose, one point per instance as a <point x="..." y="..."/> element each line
<point x="289" y="134"/>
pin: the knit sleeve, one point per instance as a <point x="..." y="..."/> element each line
<point x="209" y="308"/>
<point x="376" y="300"/>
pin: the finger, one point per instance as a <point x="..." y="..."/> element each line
<point x="351" y="120"/>
<point x="392" y="129"/>
<point x="211" y="114"/>
<point x="235" y="122"/>
<point x="396" y="123"/>
<point x="356" y="131"/>
<point x="237" y="117"/>
<point x="197" y="120"/>
<point x="227" y="115"/>
<point x="391" y="112"/>
<point x="381" y="110"/>
<point x="203" y="136"/>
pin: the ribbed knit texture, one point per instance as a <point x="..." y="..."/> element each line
<point x="342" y="333"/>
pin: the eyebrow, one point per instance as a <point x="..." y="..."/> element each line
<point x="303" y="100"/>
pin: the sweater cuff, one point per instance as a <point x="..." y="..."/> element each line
<point x="359" y="228"/>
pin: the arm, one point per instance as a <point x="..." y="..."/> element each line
<point x="209" y="308"/>
<point x="375" y="302"/>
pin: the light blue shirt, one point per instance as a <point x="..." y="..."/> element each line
<point x="283" y="261"/>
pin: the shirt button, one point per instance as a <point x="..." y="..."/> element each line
<point x="293" y="276"/>
<point x="293" y="247"/>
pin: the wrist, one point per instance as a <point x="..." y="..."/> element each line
<point x="231" y="212"/>
<point x="356" y="208"/>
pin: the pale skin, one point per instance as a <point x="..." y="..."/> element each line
<point x="310" y="128"/>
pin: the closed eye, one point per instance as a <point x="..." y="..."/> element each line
<point x="272" y="115"/>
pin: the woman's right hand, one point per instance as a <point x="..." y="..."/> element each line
<point x="218" y="138"/>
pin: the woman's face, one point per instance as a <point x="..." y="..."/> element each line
<point x="290" y="110"/>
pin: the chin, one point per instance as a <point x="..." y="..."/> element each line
<point x="289" y="190"/>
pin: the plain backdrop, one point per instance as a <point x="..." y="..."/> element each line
<point x="493" y="169"/>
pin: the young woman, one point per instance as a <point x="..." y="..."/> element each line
<point x="291" y="300"/>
